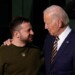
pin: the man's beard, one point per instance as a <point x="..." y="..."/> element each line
<point x="30" y="39"/>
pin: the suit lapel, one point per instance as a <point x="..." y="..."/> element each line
<point x="49" y="51"/>
<point x="63" y="48"/>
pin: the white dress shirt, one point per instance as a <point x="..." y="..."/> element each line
<point x="63" y="36"/>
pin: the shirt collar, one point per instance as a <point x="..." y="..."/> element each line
<point x="65" y="33"/>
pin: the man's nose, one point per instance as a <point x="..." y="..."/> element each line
<point x="32" y="32"/>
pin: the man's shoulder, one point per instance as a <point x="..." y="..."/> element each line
<point x="33" y="48"/>
<point x="4" y="48"/>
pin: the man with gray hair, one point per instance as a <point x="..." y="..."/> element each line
<point x="59" y="54"/>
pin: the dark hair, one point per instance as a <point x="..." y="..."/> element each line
<point x="16" y="22"/>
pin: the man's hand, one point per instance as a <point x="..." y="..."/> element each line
<point x="7" y="42"/>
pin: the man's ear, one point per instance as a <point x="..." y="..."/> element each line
<point x="60" y="23"/>
<point x="16" y="33"/>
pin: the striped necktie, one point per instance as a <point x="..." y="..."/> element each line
<point x="54" y="50"/>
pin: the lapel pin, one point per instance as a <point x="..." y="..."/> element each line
<point x="67" y="42"/>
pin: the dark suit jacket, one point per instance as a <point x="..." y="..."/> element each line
<point x="64" y="62"/>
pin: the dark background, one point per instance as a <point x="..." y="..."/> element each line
<point x="5" y="17"/>
<point x="32" y="9"/>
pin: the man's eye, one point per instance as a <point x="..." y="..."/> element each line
<point x="28" y="29"/>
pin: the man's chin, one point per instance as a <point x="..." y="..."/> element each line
<point x="30" y="40"/>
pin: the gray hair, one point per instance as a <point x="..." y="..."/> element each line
<point x="58" y="12"/>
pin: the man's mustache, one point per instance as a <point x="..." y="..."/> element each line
<point x="31" y="36"/>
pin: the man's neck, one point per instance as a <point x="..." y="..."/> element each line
<point x="61" y="30"/>
<point x="18" y="43"/>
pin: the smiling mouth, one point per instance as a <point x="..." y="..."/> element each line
<point x="31" y="37"/>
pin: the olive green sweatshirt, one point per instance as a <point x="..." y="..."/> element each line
<point x="19" y="60"/>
